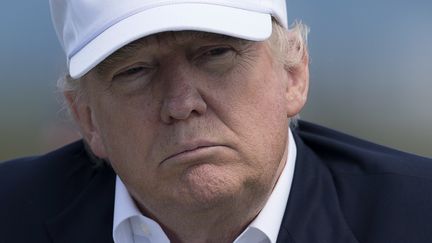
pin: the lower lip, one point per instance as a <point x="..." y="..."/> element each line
<point x="192" y="155"/>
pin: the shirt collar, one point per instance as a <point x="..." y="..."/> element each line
<point x="265" y="226"/>
<point x="124" y="209"/>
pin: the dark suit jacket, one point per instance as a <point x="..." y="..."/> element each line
<point x="344" y="190"/>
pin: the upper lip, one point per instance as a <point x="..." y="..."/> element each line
<point x="190" y="146"/>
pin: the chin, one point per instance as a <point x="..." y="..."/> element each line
<point x="208" y="185"/>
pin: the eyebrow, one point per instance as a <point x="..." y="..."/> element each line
<point x="123" y="53"/>
<point x="131" y="49"/>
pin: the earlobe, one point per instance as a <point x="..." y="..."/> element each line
<point x="97" y="147"/>
<point x="82" y="114"/>
<point x="297" y="86"/>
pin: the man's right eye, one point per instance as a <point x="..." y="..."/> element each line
<point x="133" y="72"/>
<point x="218" y="51"/>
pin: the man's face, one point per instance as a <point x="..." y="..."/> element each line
<point x="191" y="119"/>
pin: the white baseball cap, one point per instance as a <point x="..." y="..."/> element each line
<point x="91" y="30"/>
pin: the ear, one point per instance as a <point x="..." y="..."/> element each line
<point x="83" y="116"/>
<point x="297" y="86"/>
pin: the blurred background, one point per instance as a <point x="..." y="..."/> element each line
<point x="371" y="73"/>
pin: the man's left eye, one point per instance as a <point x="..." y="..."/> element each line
<point x="216" y="59"/>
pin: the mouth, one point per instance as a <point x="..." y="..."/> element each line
<point x="192" y="152"/>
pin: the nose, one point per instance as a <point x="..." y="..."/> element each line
<point x="181" y="97"/>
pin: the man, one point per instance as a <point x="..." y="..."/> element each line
<point x="185" y="109"/>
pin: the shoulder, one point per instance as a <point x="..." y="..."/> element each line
<point x="350" y="155"/>
<point x="383" y="193"/>
<point x="28" y="171"/>
<point x="46" y="182"/>
<point x="61" y="191"/>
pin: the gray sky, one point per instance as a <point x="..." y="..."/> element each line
<point x="371" y="65"/>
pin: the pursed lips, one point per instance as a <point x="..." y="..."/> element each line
<point x="190" y="147"/>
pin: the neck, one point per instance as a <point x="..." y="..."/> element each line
<point x="222" y="223"/>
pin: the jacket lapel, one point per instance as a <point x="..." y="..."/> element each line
<point x="89" y="218"/>
<point x="313" y="214"/>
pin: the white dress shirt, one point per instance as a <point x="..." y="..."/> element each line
<point x="130" y="226"/>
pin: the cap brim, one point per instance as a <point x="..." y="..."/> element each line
<point x="230" y="21"/>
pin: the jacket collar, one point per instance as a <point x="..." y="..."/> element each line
<point x="89" y="218"/>
<point x="313" y="213"/>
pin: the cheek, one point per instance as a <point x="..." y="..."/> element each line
<point x="265" y="123"/>
<point x="126" y="129"/>
<point x="254" y="97"/>
<point x="252" y="104"/>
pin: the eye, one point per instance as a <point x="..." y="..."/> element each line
<point x="133" y="72"/>
<point x="216" y="52"/>
<point x="216" y="59"/>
